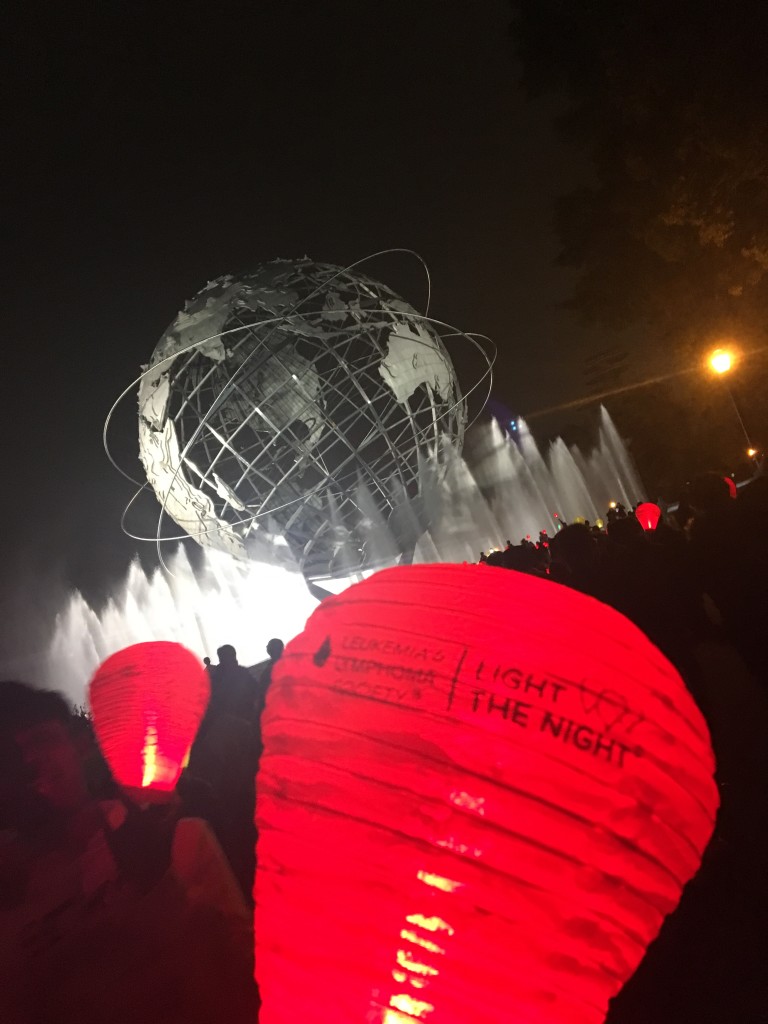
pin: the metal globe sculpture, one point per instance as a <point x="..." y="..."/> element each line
<point x="300" y="411"/>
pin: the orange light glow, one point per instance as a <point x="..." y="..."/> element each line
<point x="410" y="970"/>
<point x="395" y="1017"/>
<point x="149" y="754"/>
<point x="405" y="960"/>
<point x="438" y="882"/>
<point x="721" y="360"/>
<point x="414" y="1007"/>
<point x="401" y="977"/>
<point x="470" y="803"/>
<point x="451" y="843"/>
<point x="430" y="924"/>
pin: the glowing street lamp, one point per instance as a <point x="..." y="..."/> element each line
<point x="751" y="452"/>
<point x="721" y="360"/>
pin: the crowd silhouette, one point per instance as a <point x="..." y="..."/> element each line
<point x="115" y="912"/>
<point x="701" y="573"/>
<point x="110" y="911"/>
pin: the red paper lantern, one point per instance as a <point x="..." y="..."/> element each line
<point x="732" y="489"/>
<point x="147" y="702"/>
<point x="648" y="515"/>
<point x="480" y="795"/>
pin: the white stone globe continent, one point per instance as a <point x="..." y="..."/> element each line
<point x="245" y="430"/>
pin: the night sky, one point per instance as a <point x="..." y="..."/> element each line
<point x="152" y="147"/>
<point x="149" y="151"/>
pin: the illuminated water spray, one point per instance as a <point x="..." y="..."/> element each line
<point x="225" y="601"/>
<point x="511" y="490"/>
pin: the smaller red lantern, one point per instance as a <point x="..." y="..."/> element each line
<point x="147" y="703"/>
<point x="648" y="515"/>
<point x="731" y="487"/>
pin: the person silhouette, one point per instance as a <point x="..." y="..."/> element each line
<point x="262" y="674"/>
<point x="275" y="648"/>
<point x="232" y="685"/>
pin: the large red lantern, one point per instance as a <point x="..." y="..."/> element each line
<point x="648" y="515"/>
<point x="480" y="795"/>
<point x="147" y="702"/>
<point x="731" y="485"/>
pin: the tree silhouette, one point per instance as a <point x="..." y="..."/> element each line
<point x="670" y="239"/>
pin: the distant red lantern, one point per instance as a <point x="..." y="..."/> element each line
<point x="461" y="821"/>
<point x="732" y="489"/>
<point x="648" y="515"/>
<point x="147" y="702"/>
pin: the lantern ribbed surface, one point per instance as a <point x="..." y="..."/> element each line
<point x="480" y="795"/>
<point x="147" y="702"/>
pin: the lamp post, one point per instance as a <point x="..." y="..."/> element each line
<point x="722" y="361"/>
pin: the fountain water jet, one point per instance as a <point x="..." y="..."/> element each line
<point x="512" y="490"/>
